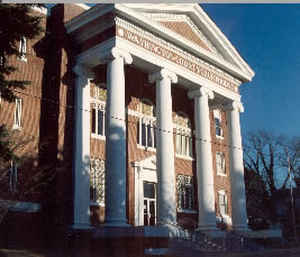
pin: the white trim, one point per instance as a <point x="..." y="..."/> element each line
<point x="144" y="170"/>
<point x="194" y="79"/>
<point x="186" y="211"/>
<point x="87" y="16"/>
<point x="18" y="112"/>
<point x="83" y="6"/>
<point x="201" y="20"/>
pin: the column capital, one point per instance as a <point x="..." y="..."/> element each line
<point x="115" y="53"/>
<point x="235" y="105"/>
<point x="82" y="71"/>
<point x="202" y="91"/>
<point x="162" y="74"/>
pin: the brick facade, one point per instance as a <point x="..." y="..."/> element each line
<point x="48" y="117"/>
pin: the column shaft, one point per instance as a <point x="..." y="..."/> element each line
<point x="166" y="203"/>
<point x="204" y="164"/>
<point x="115" y="189"/>
<point x="239" y="212"/>
<point x="82" y="151"/>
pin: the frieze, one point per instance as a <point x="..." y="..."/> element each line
<point x="181" y="58"/>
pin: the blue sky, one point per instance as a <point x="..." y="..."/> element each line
<point x="268" y="38"/>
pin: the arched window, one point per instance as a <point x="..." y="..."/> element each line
<point x="97" y="181"/>
<point x="147" y="124"/>
<point x="185" y="192"/>
<point x="183" y="135"/>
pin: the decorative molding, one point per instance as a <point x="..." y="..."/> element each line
<point x="169" y="17"/>
<point x="202" y="91"/>
<point x="235" y="105"/>
<point x="170" y="52"/>
<point x="133" y="12"/>
<point x="115" y="53"/>
<point x="163" y="74"/>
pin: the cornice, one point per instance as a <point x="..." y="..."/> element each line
<point x="87" y="16"/>
<point x="245" y="73"/>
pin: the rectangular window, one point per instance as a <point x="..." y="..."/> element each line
<point x="18" y="114"/>
<point x="218" y="124"/>
<point x="220" y="163"/>
<point x="183" y="142"/>
<point x="23" y="49"/>
<point x="223" y="205"/>
<point x="98" y="120"/>
<point x="147" y="137"/>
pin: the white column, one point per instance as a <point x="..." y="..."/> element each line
<point x="81" y="170"/>
<point x="115" y="171"/>
<point x="204" y="163"/>
<point x="239" y="212"/>
<point x="166" y="203"/>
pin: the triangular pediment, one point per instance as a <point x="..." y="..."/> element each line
<point x="182" y="25"/>
<point x="189" y="26"/>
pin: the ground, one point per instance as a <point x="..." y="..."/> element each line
<point x="293" y="252"/>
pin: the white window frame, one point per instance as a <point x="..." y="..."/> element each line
<point x="186" y="134"/>
<point x="148" y="121"/>
<point x="18" y="114"/>
<point x="221" y="164"/>
<point x="218" y="116"/>
<point x="223" y="194"/>
<point x="98" y="105"/>
<point x="23" y="49"/>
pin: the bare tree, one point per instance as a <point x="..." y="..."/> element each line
<point x="263" y="153"/>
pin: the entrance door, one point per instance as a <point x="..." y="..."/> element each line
<point x="149" y="204"/>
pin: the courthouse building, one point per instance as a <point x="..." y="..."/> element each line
<point x="139" y="106"/>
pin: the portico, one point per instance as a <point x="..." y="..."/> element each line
<point x="169" y="59"/>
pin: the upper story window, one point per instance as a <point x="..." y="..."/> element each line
<point x="18" y="114"/>
<point x="220" y="163"/>
<point x="147" y="124"/>
<point x="23" y="49"/>
<point x="98" y="120"/>
<point x="97" y="181"/>
<point x="218" y="124"/>
<point x="183" y="136"/>
<point x="223" y="202"/>
<point x="185" y="192"/>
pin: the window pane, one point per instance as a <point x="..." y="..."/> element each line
<point x="144" y="134"/>
<point x="93" y="120"/>
<point x="100" y="123"/>
<point x="178" y="142"/>
<point x="150" y="141"/>
<point x="149" y="190"/>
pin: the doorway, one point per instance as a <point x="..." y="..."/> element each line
<point x="149" y="203"/>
